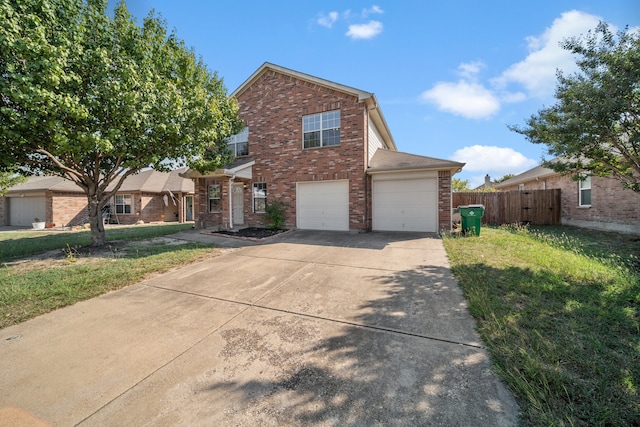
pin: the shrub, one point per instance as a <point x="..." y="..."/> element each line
<point x="274" y="214"/>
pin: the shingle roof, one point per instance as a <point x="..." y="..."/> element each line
<point x="149" y="181"/>
<point x="386" y="161"/>
<point x="531" y="174"/>
<point x="43" y="183"/>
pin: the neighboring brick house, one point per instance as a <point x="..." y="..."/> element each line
<point x="149" y="196"/>
<point x="597" y="203"/>
<point x="325" y="150"/>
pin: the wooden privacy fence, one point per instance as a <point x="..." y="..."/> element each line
<point x="537" y="207"/>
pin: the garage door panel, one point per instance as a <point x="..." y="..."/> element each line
<point x="323" y="205"/>
<point x="24" y="210"/>
<point x="405" y="205"/>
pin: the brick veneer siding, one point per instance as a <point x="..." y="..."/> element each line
<point x="65" y="209"/>
<point x="612" y="208"/>
<point x="444" y="200"/>
<point x="273" y="107"/>
<point x="147" y="207"/>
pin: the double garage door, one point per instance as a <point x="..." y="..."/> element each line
<point x="407" y="204"/>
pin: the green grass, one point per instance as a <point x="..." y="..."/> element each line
<point x="17" y="244"/>
<point x="559" y="311"/>
<point x="27" y="291"/>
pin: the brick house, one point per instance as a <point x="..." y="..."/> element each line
<point x="150" y="196"/>
<point x="325" y="150"/>
<point x="597" y="202"/>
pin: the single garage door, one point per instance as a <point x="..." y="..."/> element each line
<point x="323" y="205"/>
<point x="405" y="205"/>
<point x="24" y="210"/>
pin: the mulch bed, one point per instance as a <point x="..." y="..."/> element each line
<point x="252" y="233"/>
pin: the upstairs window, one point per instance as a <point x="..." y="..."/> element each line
<point x="259" y="196"/>
<point x="239" y="143"/>
<point x="321" y="130"/>
<point x="124" y="204"/>
<point x="584" y="189"/>
<point x="214" y="198"/>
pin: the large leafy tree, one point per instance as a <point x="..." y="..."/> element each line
<point x="96" y="98"/>
<point x="459" y="185"/>
<point x="594" y="127"/>
<point x="8" y="179"/>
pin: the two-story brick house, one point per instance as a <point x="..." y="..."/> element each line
<point x="325" y="150"/>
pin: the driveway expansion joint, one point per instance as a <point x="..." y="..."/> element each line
<point x="249" y="305"/>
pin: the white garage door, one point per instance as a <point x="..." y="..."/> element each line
<point x="24" y="210"/>
<point x="405" y="205"/>
<point x="323" y="205"/>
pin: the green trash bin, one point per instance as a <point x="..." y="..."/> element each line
<point x="471" y="217"/>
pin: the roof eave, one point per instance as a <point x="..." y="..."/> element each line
<point x="361" y="94"/>
<point x="375" y="113"/>
<point x="223" y="172"/>
<point x="453" y="168"/>
<point x="516" y="180"/>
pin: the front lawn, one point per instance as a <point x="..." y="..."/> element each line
<point x="558" y="308"/>
<point x="44" y="271"/>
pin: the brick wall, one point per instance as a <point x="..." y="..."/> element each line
<point x="611" y="207"/>
<point x="64" y="209"/>
<point x="444" y="200"/>
<point x="273" y="107"/>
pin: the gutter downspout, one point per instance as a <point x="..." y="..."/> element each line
<point x="231" y="201"/>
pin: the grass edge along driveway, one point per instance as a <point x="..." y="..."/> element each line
<point x="79" y="273"/>
<point x="559" y="311"/>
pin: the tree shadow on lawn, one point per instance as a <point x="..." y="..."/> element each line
<point x="379" y="367"/>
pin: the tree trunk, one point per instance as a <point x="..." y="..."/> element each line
<point x="95" y="220"/>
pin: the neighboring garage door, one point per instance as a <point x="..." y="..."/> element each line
<point x="405" y="204"/>
<point x="23" y="210"/>
<point x="323" y="205"/>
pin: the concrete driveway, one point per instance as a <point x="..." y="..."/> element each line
<point x="312" y="328"/>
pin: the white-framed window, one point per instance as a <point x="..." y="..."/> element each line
<point x="239" y="143"/>
<point x="215" y="204"/>
<point x="124" y="204"/>
<point x="584" y="191"/>
<point x="521" y="187"/>
<point x="321" y="130"/>
<point x="259" y="196"/>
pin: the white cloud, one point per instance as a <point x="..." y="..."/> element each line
<point x="328" y="20"/>
<point x="486" y="159"/>
<point x="466" y="99"/>
<point x="468" y="70"/>
<point x="365" y="31"/>
<point x="356" y="30"/>
<point x="535" y="75"/>
<point x="537" y="72"/>
<point x="372" y="9"/>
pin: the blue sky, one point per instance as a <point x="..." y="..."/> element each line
<point x="449" y="76"/>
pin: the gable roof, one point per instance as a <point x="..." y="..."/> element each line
<point x="149" y="181"/>
<point x="375" y="114"/>
<point x="240" y="168"/>
<point x="537" y="172"/>
<point x="153" y="181"/>
<point x="43" y="183"/>
<point x="389" y="161"/>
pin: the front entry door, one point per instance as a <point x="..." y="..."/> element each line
<point x="188" y="210"/>
<point x="238" y="204"/>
